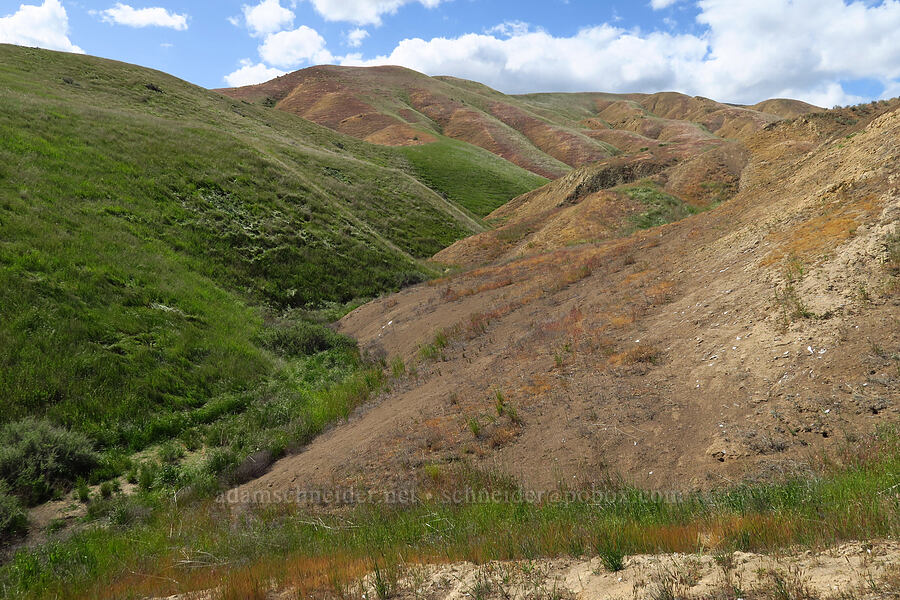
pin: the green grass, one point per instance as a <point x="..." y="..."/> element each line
<point x="851" y="498"/>
<point x="470" y="176"/>
<point x="662" y="208"/>
<point x="170" y="257"/>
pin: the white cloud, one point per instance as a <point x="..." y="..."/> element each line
<point x="267" y="17"/>
<point x="44" y="26"/>
<point x="748" y="51"/>
<point x="290" y="49"/>
<point x="661" y="4"/>
<point x="363" y="12"/>
<point x="510" y="28"/>
<point x="891" y="90"/>
<point x="250" y="74"/>
<point x="355" y="38"/>
<point x="123" y="14"/>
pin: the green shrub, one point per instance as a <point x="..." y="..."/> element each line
<point x="662" y="208"/>
<point x="302" y="338"/>
<point x="106" y="489"/>
<point x="170" y="452"/>
<point x="39" y="460"/>
<point x="611" y="552"/>
<point x="13" y="520"/>
<point x="82" y="490"/>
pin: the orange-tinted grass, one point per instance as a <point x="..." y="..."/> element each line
<point x="316" y="575"/>
<point x="304" y="574"/>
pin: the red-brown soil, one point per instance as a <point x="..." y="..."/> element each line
<point x="397" y="106"/>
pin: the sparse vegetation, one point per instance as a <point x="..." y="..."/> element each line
<point x="892" y="243"/>
<point x="663" y="208"/>
<point x="475" y="427"/>
<point x="790" y="305"/>
<point x="398" y="367"/>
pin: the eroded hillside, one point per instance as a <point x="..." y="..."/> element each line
<point x="545" y="133"/>
<point x="741" y="341"/>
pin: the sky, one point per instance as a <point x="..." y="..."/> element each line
<point x="827" y="52"/>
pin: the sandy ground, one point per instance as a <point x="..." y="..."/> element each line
<point x="858" y="570"/>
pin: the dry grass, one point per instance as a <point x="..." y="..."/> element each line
<point x="641" y="353"/>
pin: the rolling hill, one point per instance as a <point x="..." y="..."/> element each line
<point x="151" y="232"/>
<point x="732" y="343"/>
<point x="547" y="134"/>
<point x="222" y="313"/>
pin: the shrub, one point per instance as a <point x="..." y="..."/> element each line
<point x="170" y="452"/>
<point x="106" y="489"/>
<point x="302" y="338"/>
<point x="38" y="459"/>
<point x="81" y="488"/>
<point x="398" y="367"/>
<point x="13" y="520"/>
<point x="611" y="553"/>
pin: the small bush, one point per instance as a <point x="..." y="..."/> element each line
<point x="170" y="452"/>
<point x="302" y="338"/>
<point x="82" y="490"/>
<point x="398" y="367"/>
<point x="147" y="475"/>
<point x="106" y="489"/>
<point x="611" y="553"/>
<point x="39" y="460"/>
<point x="662" y="208"/>
<point x="13" y="520"/>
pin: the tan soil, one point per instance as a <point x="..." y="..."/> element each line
<point x="670" y="356"/>
<point x="856" y="570"/>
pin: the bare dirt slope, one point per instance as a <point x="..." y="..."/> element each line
<point x="739" y="342"/>
<point x="545" y="133"/>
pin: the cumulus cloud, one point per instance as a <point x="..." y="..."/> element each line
<point x="355" y="38"/>
<point x="267" y="17"/>
<point x="747" y="51"/>
<point x="293" y="48"/>
<point x="44" y="26"/>
<point x="123" y="14"/>
<point x="363" y="12"/>
<point x="250" y="74"/>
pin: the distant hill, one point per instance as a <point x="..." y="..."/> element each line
<point x="547" y="134"/>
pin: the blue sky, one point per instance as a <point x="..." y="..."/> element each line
<point x="823" y="51"/>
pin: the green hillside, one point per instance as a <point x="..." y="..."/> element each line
<point x="156" y="237"/>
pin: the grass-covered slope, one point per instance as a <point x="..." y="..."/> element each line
<point x="150" y="229"/>
<point x="468" y="175"/>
